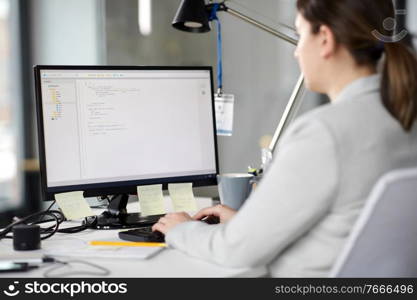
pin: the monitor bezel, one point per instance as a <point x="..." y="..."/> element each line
<point x="119" y="187"/>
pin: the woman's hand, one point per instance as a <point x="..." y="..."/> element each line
<point x="223" y="212"/>
<point x="169" y="221"/>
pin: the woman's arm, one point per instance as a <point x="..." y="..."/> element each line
<point x="293" y="196"/>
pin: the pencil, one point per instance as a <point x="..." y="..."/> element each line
<point x="127" y="244"/>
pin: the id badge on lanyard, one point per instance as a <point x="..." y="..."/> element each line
<point x="224" y="104"/>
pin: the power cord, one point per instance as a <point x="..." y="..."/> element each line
<point x="57" y="216"/>
<point x="48" y="209"/>
<point x="46" y="261"/>
<point x="51" y="272"/>
<point x="47" y="232"/>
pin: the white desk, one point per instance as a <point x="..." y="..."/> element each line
<point x="168" y="263"/>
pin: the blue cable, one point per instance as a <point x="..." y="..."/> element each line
<point x="213" y="17"/>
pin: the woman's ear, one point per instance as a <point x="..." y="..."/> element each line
<point x="327" y="42"/>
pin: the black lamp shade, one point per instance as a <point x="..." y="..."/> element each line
<point x="192" y="16"/>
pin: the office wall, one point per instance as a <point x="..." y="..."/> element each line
<point x="67" y="32"/>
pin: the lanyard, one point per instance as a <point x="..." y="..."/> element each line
<point x="213" y="17"/>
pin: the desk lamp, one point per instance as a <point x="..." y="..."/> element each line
<point x="193" y="16"/>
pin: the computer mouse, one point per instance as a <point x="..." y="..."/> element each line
<point x="211" y="220"/>
<point x="143" y="234"/>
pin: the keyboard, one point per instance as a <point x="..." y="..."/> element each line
<point x="143" y="234"/>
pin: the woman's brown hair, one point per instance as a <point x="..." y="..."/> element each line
<point x="359" y="26"/>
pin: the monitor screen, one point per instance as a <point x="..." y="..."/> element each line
<point x="105" y="130"/>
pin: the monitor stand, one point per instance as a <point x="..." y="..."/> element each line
<point x="116" y="216"/>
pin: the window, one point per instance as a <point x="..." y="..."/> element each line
<point x="10" y="135"/>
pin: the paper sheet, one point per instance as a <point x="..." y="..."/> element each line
<point x="73" y="205"/>
<point x="182" y="197"/>
<point x="151" y="200"/>
<point x="78" y="248"/>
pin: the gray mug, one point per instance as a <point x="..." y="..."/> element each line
<point x="234" y="189"/>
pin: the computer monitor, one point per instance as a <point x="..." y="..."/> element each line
<point x="105" y="130"/>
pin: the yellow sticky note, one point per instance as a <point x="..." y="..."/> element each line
<point x="182" y="196"/>
<point x="151" y="200"/>
<point x="73" y="205"/>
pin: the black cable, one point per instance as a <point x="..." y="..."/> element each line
<point x="50" y="272"/>
<point x="55" y="229"/>
<point x="56" y="215"/>
<point x="50" y="206"/>
<point x="25" y="220"/>
<point x="74" y="229"/>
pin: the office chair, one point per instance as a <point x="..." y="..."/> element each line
<point x="383" y="242"/>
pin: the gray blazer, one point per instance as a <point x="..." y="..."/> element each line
<point x="298" y="218"/>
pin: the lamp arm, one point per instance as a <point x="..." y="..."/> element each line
<point x="276" y="33"/>
<point x="261" y="25"/>
<point x="289" y="113"/>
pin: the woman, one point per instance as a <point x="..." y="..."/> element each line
<point x="297" y="220"/>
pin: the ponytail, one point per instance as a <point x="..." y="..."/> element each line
<point x="399" y="83"/>
<point x="353" y="24"/>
